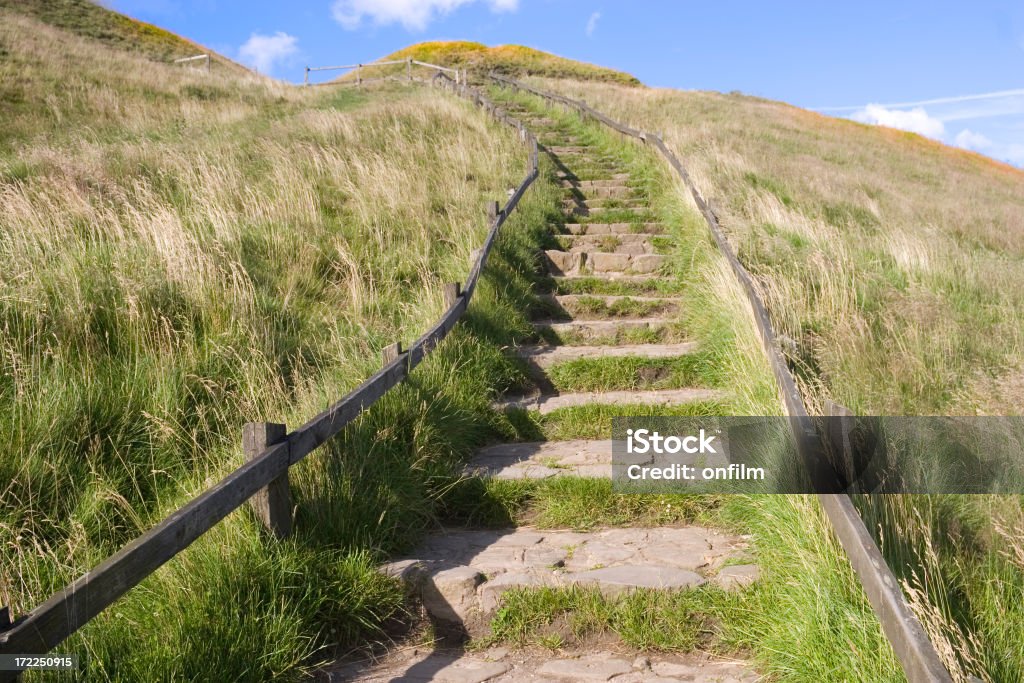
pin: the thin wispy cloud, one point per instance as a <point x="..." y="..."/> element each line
<point x="264" y="52"/>
<point x="995" y="95"/>
<point x="413" y="15"/>
<point x="592" y="23"/>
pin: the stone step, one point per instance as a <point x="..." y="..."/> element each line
<point x="601" y="183"/>
<point x="546" y="403"/>
<point x="607" y="244"/>
<point x="569" y="149"/>
<point x="612" y="228"/>
<point x="590" y="261"/>
<point x="590" y="329"/>
<point x="564" y="175"/>
<point x="626" y="243"/>
<point x="544" y="356"/>
<point x="461" y="575"/>
<point x="569" y="665"/>
<point x="595" y="306"/>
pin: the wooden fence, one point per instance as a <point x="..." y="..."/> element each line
<point x="459" y="76"/>
<point x="269" y="449"/>
<point x="915" y="651"/>
<point x="196" y="58"/>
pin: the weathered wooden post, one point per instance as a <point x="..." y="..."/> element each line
<point x="492" y="211"/>
<point x="359" y="75"/>
<point x="305" y="81"/>
<point x="452" y="292"/>
<point x="272" y="504"/>
<point x="391" y="352"/>
<point x="408" y="68"/>
<point x="207" y="63"/>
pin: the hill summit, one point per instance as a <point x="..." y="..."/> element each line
<point x="509" y="59"/>
<point x="95" y="22"/>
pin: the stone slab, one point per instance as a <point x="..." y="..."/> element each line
<point x="664" y="397"/>
<point x="548" y="356"/>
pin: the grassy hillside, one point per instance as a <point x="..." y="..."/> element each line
<point x="892" y="266"/>
<point x="185" y="252"/>
<point x="90" y="20"/>
<point x="508" y="59"/>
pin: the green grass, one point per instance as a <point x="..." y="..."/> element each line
<point x="676" y="621"/>
<point x="633" y="373"/>
<point x="593" y="307"/>
<point x="593" y="285"/>
<point x="592" y="421"/>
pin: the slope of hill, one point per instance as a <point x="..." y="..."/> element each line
<point x="184" y="252"/>
<point x="508" y="59"/>
<point x="188" y="251"/>
<point x="893" y="266"/>
<point x="90" y="20"/>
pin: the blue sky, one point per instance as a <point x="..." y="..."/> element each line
<point x="951" y="70"/>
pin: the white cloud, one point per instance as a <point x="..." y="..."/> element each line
<point x="915" y="120"/>
<point x="592" y="23"/>
<point x="968" y="139"/>
<point x="263" y="52"/>
<point x="414" y="15"/>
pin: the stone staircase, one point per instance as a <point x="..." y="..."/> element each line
<point x="460" y="575"/>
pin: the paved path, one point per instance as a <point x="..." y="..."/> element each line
<point x="609" y="234"/>
<point x="502" y="665"/>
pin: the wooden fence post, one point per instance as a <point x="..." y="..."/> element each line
<point x="273" y="504"/>
<point x="305" y="81"/>
<point x="492" y="211"/>
<point x="391" y="352"/>
<point x="359" y="75"/>
<point x="452" y="291"/>
<point x="408" y="68"/>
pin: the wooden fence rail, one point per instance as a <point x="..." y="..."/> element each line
<point x="269" y="454"/>
<point x="460" y="77"/>
<point x="196" y="58"/>
<point x="916" y="653"/>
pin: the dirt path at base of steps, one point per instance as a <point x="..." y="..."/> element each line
<point x="460" y="576"/>
<point x="507" y="665"/>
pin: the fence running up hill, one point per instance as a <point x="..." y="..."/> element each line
<point x="263" y="479"/>
<point x="357" y="69"/>
<point x="915" y="651"/>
